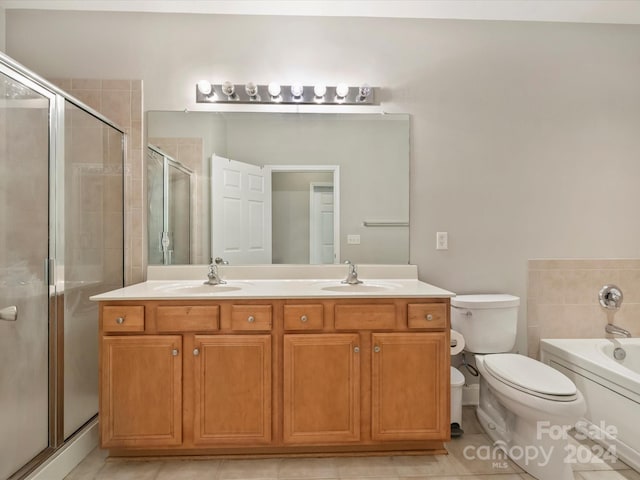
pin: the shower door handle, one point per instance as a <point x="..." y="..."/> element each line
<point x="9" y="314"/>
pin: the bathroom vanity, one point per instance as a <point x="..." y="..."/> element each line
<point x="259" y="367"/>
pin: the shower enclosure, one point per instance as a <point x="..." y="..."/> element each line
<point x="169" y="186"/>
<point x="61" y="241"/>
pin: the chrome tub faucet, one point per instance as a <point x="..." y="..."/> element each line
<point x="616" y="330"/>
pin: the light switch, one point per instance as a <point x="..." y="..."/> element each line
<point x="442" y="241"/>
<point x="353" y="239"/>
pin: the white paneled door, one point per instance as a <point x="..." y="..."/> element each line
<point x="321" y="240"/>
<point x="240" y="212"/>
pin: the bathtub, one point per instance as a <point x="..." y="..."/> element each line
<point x="610" y="387"/>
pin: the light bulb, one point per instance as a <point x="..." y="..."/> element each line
<point x="228" y="89"/>
<point x="364" y="92"/>
<point x="251" y="89"/>
<point x="342" y="90"/>
<point x="297" y="90"/>
<point x="274" y="89"/>
<point x="319" y="90"/>
<point x="204" y="87"/>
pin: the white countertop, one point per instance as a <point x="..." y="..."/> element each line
<point x="277" y="281"/>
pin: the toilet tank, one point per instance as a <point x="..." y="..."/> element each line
<point x="487" y="322"/>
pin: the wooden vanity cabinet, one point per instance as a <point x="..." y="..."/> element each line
<point x="274" y="377"/>
<point x="408" y="386"/>
<point x="141" y="390"/>
<point x="232" y="389"/>
<point x="321" y="398"/>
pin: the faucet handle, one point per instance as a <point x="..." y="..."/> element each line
<point x="610" y="297"/>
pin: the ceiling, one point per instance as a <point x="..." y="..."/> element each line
<point x="581" y="11"/>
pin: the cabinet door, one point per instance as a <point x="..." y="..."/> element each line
<point x="232" y="389"/>
<point x="321" y="388"/>
<point x="410" y="386"/>
<point x="141" y="391"/>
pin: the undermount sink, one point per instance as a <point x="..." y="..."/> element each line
<point x="360" y="287"/>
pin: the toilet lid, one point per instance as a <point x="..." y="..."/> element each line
<point x="530" y="376"/>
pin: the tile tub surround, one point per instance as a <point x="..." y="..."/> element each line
<point x="121" y="102"/>
<point x="455" y="465"/>
<point x="563" y="298"/>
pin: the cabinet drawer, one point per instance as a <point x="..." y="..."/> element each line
<point x="427" y="315"/>
<point x="303" y="317"/>
<point x="187" y="318"/>
<point x="251" y="317"/>
<point x="365" y="317"/>
<point x="123" y="319"/>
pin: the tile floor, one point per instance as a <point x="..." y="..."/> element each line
<point x="439" y="467"/>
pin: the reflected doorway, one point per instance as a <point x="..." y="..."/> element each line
<point x="305" y="214"/>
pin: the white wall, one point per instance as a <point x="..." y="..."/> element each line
<point x="524" y="135"/>
<point x="3" y="29"/>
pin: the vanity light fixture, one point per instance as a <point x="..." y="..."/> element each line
<point x="229" y="90"/>
<point x="319" y="91"/>
<point x="251" y="90"/>
<point x="274" y="92"/>
<point x="205" y="87"/>
<point x="363" y="93"/>
<point x="296" y="93"/>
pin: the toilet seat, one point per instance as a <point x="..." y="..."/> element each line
<point x="530" y="376"/>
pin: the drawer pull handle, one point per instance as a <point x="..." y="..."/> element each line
<point x="251" y="319"/>
<point x="120" y="320"/>
<point x="196" y="352"/>
<point x="175" y="352"/>
<point x="356" y="349"/>
<point x="303" y="318"/>
<point x="376" y="349"/>
<point x="429" y="317"/>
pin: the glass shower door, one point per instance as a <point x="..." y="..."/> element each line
<point x="169" y="197"/>
<point x="24" y="289"/>
<point x="178" y="198"/>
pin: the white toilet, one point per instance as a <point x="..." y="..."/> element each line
<point x="526" y="407"/>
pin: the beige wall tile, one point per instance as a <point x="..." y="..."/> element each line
<point x="116" y="85"/>
<point x="551" y="287"/>
<point x="628" y="317"/>
<point x="93" y="98"/>
<point x="86" y="84"/>
<point x="582" y="286"/>
<point x="629" y="283"/>
<point x="116" y="106"/>
<point x="578" y="314"/>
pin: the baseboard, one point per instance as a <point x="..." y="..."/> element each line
<point x="69" y="456"/>
<point x="471" y="394"/>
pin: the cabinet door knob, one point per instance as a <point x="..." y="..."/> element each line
<point x="196" y="352"/>
<point x="175" y="352"/>
<point x="120" y="320"/>
<point x="251" y="319"/>
<point x="376" y="349"/>
<point x="356" y="349"/>
<point x="303" y="318"/>
<point x="429" y="317"/>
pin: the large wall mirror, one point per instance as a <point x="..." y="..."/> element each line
<point x="279" y="187"/>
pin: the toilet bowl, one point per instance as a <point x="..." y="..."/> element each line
<point x="525" y="407"/>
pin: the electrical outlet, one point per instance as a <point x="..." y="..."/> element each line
<point x="353" y="239"/>
<point x="442" y="241"/>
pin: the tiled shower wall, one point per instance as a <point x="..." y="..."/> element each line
<point x="563" y="298"/>
<point x="121" y="102"/>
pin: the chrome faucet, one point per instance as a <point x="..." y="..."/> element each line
<point x="214" y="275"/>
<point x="352" y="276"/>
<point x="221" y="261"/>
<point x="616" y="330"/>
